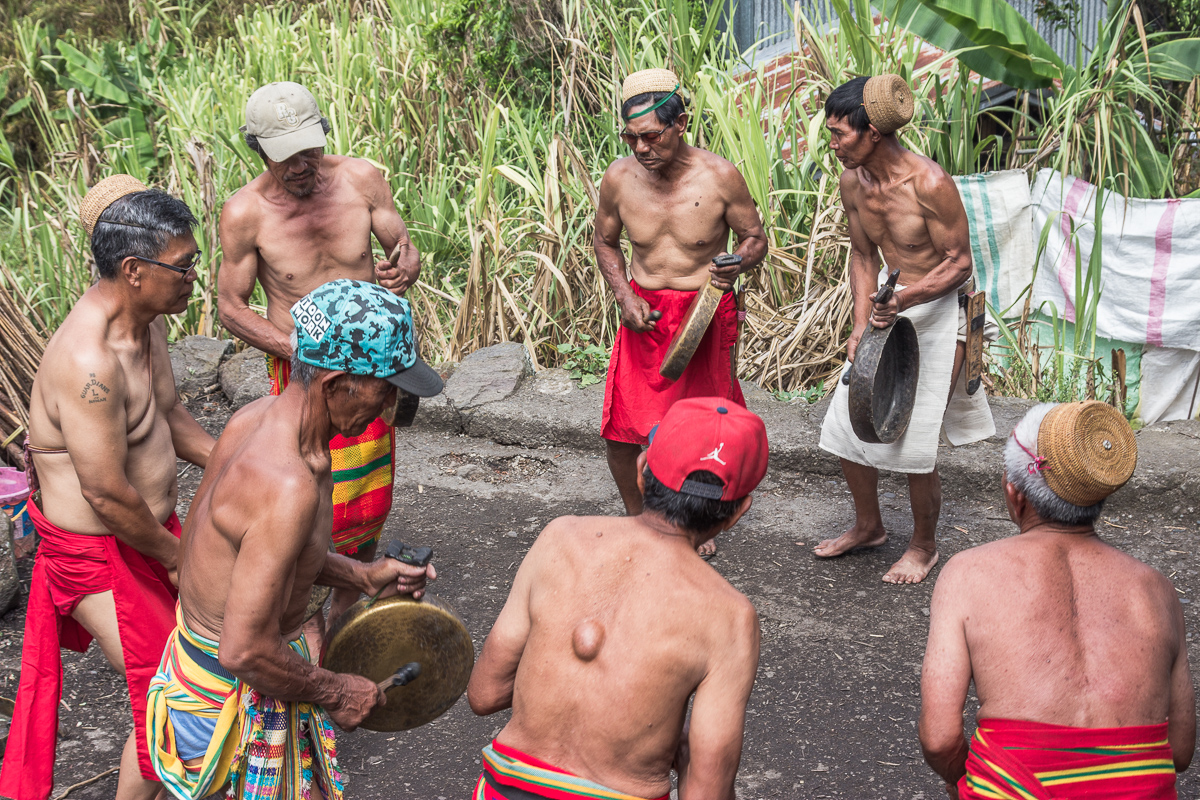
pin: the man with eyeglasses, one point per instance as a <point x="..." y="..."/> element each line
<point x="307" y="220"/>
<point x="105" y="429"/>
<point x="678" y="205"/>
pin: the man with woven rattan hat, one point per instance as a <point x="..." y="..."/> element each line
<point x="1077" y="650"/>
<point x="903" y="212"/>
<point x="678" y="205"/>
<point x="599" y="649"/>
<point x="105" y="428"/>
<point x="306" y="220"/>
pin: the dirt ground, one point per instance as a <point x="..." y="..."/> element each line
<point x="834" y="710"/>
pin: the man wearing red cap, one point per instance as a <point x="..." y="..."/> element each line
<point x="307" y="220"/>
<point x="599" y="649"/>
<point x="678" y="205"/>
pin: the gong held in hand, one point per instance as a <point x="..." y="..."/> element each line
<point x="419" y="653"/>
<point x="695" y="323"/>
<point x="883" y="377"/>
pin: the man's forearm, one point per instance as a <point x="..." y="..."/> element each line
<point x="612" y="266"/>
<point x="278" y="671"/>
<point x="192" y="443"/>
<point x="252" y="329"/>
<point x="940" y="281"/>
<point x="950" y="763"/>
<point x="752" y="249"/>
<point x="125" y="514"/>
<point x="341" y="572"/>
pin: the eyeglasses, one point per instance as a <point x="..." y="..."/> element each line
<point x="182" y="269"/>
<point x="649" y="137"/>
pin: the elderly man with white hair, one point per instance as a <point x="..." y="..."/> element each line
<point x="1077" y="650"/>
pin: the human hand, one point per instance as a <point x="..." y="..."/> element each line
<point x="884" y="314"/>
<point x="394" y="577"/>
<point x="357" y="698"/>
<point x="852" y="344"/>
<point x="723" y="277"/>
<point x="636" y="314"/>
<point x="395" y="278"/>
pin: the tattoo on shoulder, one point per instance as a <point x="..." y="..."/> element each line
<point x="94" y="391"/>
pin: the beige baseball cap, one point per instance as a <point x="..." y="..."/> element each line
<point x="285" y="118"/>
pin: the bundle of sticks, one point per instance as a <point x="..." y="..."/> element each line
<point x="21" y="348"/>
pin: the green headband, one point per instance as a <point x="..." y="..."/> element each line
<point x="645" y="111"/>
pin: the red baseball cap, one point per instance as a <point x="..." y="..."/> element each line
<point x="713" y="434"/>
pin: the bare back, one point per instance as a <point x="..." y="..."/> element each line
<point x="1068" y="630"/>
<point x="677" y="226"/>
<point x="103" y="396"/>
<point x="258" y="488"/>
<point x="615" y="648"/>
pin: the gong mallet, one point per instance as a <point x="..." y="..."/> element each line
<point x="404" y="676"/>
<point x="882" y="296"/>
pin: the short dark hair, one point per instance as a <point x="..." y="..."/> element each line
<point x="666" y="114"/>
<point x="686" y="510"/>
<point x="141" y="224"/>
<point x="252" y="140"/>
<point x="846" y="102"/>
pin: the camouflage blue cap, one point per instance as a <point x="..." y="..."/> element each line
<point x="363" y="329"/>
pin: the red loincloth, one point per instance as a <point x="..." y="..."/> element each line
<point x="509" y="774"/>
<point x="1035" y="761"/>
<point x="636" y="397"/>
<point x="67" y="567"/>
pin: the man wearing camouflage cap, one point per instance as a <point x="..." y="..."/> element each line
<point x="678" y="205"/>
<point x="257" y="540"/>
<point x="1077" y="651"/>
<point x="308" y="219"/>
<point x="903" y="212"/>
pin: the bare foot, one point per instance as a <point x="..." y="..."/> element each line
<point x="707" y="550"/>
<point x="850" y="540"/>
<point x="912" y="567"/>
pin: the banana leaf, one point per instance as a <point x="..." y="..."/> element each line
<point x="1178" y="60"/>
<point x="990" y="37"/>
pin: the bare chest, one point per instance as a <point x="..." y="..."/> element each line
<point x="894" y="221"/>
<point x="690" y="215"/>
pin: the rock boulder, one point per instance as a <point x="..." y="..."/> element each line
<point x="196" y="360"/>
<point x="244" y="377"/>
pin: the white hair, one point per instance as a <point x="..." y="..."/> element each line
<point x="1025" y="473"/>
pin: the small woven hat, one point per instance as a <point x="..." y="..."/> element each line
<point x="1090" y="451"/>
<point x="648" y="80"/>
<point x="889" y="103"/>
<point x="103" y="195"/>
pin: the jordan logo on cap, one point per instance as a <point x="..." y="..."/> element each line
<point x="715" y="455"/>
<point x="286" y="114"/>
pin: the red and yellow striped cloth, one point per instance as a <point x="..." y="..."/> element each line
<point x="363" y="471"/>
<point x="1019" y="760"/>
<point x="509" y="774"/>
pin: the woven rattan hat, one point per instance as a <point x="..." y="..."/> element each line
<point x="889" y="103"/>
<point x="1089" y="449"/>
<point x="104" y="194"/>
<point x="649" y="80"/>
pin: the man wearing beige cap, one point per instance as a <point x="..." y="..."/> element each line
<point x="1077" y="650"/>
<point x="105" y="428"/>
<point x="678" y="205"/>
<point x="307" y="220"/>
<point x="903" y="213"/>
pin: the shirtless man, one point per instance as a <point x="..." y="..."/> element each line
<point x="905" y="207"/>
<point x="599" y="648"/>
<point x="308" y="219"/>
<point x="1077" y="650"/>
<point x="105" y="428"/>
<point x="257" y="539"/>
<point x="678" y="205"/>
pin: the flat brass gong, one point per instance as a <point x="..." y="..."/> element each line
<point x="695" y="324"/>
<point x="376" y="639"/>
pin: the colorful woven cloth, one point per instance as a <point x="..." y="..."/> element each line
<point x="68" y="567"/>
<point x="263" y="748"/>
<point x="1018" y="760"/>
<point x="363" y="471"/>
<point x="636" y="397"/>
<point x="509" y="774"/>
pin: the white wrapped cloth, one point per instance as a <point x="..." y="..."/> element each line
<point x="967" y="419"/>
